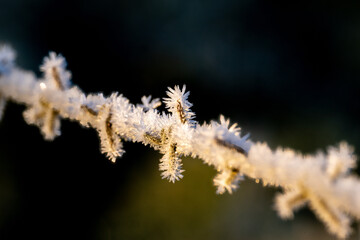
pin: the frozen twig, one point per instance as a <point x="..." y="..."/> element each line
<point x="322" y="181"/>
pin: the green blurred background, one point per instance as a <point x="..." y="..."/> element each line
<point x="288" y="73"/>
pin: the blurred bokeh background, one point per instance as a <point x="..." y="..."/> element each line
<point x="288" y="73"/>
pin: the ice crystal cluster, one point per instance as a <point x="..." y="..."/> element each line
<point x="322" y="181"/>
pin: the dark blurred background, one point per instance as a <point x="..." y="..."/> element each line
<point x="288" y="73"/>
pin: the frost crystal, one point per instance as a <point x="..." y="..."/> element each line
<point x="289" y="201"/>
<point x="171" y="165"/>
<point x="42" y="112"/>
<point x="111" y="144"/>
<point x="148" y="104"/>
<point x="179" y="106"/>
<point x="42" y="115"/>
<point x="340" y="161"/>
<point x="54" y="67"/>
<point x="227" y="180"/>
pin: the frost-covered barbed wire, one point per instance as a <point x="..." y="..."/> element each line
<point x="323" y="181"/>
